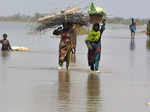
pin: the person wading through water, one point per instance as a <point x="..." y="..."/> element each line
<point x="5" y="43"/>
<point x="65" y="45"/>
<point x="93" y="42"/>
<point x="132" y="27"/>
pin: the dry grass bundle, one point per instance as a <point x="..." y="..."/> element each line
<point x="74" y="18"/>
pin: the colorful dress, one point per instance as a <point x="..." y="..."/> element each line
<point x="94" y="49"/>
<point x="94" y="54"/>
<point x="65" y="48"/>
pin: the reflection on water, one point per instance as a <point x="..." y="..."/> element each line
<point x="93" y="93"/>
<point x="132" y="54"/>
<point x="3" y="65"/>
<point x="5" y="54"/>
<point x="64" y="91"/>
<point x="132" y="44"/>
<point x="30" y="82"/>
<point x="73" y="58"/>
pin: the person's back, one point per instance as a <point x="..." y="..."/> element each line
<point x="5" y="43"/>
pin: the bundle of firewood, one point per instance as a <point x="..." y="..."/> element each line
<point x="77" y="18"/>
<point x="57" y="19"/>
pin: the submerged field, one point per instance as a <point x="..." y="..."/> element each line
<point x="30" y="81"/>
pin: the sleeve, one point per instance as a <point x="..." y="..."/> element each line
<point x="88" y="38"/>
<point x="58" y="31"/>
<point x="102" y="28"/>
<point x="97" y="35"/>
<point x="93" y="36"/>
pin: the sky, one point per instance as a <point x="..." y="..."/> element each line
<point x="119" y="8"/>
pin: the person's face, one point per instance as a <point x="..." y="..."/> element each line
<point x="96" y="28"/>
<point x="4" y="37"/>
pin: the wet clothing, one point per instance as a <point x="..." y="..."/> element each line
<point x="93" y="36"/>
<point x="94" y="48"/>
<point x="5" y="45"/>
<point x="133" y="27"/>
<point x="94" y="56"/>
<point x="65" y="47"/>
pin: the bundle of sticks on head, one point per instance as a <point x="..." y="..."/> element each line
<point x="59" y="18"/>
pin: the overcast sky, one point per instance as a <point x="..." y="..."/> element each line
<point x="122" y="8"/>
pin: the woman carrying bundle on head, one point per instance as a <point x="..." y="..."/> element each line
<point x="65" y="45"/>
<point x="97" y="16"/>
<point x="93" y="42"/>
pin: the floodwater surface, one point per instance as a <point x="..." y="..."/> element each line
<point x="31" y="82"/>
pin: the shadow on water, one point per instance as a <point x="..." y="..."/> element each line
<point x="93" y="94"/>
<point x="132" y="45"/>
<point x="64" y="91"/>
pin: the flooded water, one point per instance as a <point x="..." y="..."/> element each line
<point x="30" y="81"/>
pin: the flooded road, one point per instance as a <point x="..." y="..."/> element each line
<point x="30" y="81"/>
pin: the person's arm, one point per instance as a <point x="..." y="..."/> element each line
<point x="9" y="46"/>
<point x="93" y="36"/>
<point x="1" y="41"/>
<point x="87" y="40"/>
<point x="97" y="36"/>
<point x="58" y="31"/>
<point x="103" y="26"/>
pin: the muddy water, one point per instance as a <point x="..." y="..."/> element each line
<point x="30" y="81"/>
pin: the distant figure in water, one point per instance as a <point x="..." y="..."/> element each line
<point x="93" y="42"/>
<point x="148" y="29"/>
<point x="65" y="45"/>
<point x="132" y="27"/>
<point x="5" y="43"/>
